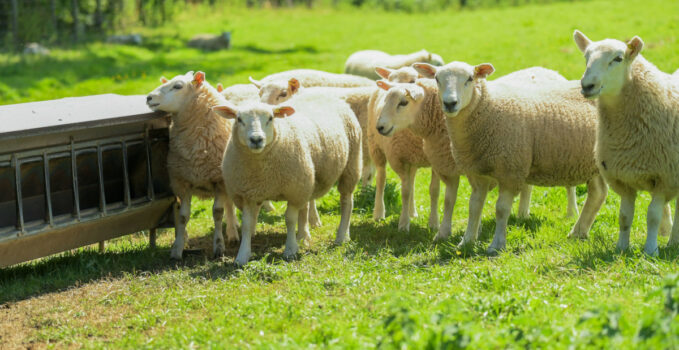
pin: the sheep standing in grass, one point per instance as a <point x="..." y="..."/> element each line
<point x="637" y="146"/>
<point x="404" y="151"/>
<point x="508" y="136"/>
<point x="416" y="107"/>
<point x="197" y="141"/>
<point x="364" y="63"/>
<point x="211" y="42"/>
<point x="294" y="153"/>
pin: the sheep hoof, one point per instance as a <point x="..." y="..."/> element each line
<point x="304" y="239"/>
<point x="241" y="260"/>
<point x="651" y="251"/>
<point x="315" y="223"/>
<point x="441" y="237"/>
<point x="578" y="235"/>
<point x="342" y="239"/>
<point x="464" y="244"/>
<point x="621" y="247"/>
<point x="433" y="223"/>
<point x="405" y="227"/>
<point x="218" y="252"/>
<point x="175" y="253"/>
<point x="494" y="251"/>
<point x="289" y="255"/>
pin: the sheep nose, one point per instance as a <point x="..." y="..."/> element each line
<point x="450" y="105"/>
<point x="256" y="140"/>
<point x="587" y="87"/>
<point x="148" y="98"/>
<point x="380" y="128"/>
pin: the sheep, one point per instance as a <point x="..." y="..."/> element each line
<point x="240" y="93"/>
<point x="125" y="39"/>
<point x="637" y="147"/>
<point x="294" y="152"/>
<point x="211" y="42"/>
<point x="676" y="73"/>
<point x="364" y="63"/>
<point x="197" y="141"/>
<point x="425" y="119"/>
<point x="404" y="151"/>
<point x="275" y="88"/>
<point x="36" y="49"/>
<point x="507" y="135"/>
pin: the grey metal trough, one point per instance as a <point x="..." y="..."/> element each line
<point x="78" y="171"/>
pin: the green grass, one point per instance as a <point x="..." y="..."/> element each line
<point x="385" y="288"/>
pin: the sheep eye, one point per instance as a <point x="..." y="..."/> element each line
<point x="284" y="94"/>
<point x="178" y="86"/>
<point x="403" y="103"/>
<point x="618" y="59"/>
<point x="270" y="119"/>
<point x="239" y="120"/>
<point x="470" y="79"/>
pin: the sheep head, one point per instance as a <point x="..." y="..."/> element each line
<point x="172" y="95"/>
<point x="608" y="64"/>
<point x="254" y="126"/>
<point x="456" y="82"/>
<point x="400" y="107"/>
<point x="277" y="92"/>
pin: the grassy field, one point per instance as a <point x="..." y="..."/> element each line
<point x="386" y="288"/>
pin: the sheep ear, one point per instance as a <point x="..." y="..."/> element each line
<point x="425" y="69"/>
<point x="225" y="111"/>
<point x="634" y="46"/>
<point x="383" y="72"/>
<point x="254" y="82"/>
<point x="293" y="86"/>
<point x="581" y="40"/>
<point x="384" y="85"/>
<point x="163" y="80"/>
<point x="220" y="87"/>
<point x="483" y="70"/>
<point x="198" y="79"/>
<point x="414" y="94"/>
<point x="283" y="111"/>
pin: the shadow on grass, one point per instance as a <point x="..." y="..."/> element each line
<point x="75" y="268"/>
<point x="590" y="255"/>
<point x="264" y="51"/>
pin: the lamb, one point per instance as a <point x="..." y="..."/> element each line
<point x="240" y="93"/>
<point x="404" y="151"/>
<point x="507" y="135"/>
<point x="296" y="159"/>
<point x="364" y="63"/>
<point x="197" y="141"/>
<point x="275" y="88"/>
<point x="211" y="42"/>
<point x="636" y="144"/>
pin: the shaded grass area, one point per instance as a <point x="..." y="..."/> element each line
<point x="386" y="288"/>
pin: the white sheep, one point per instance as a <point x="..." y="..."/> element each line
<point x="364" y="63"/>
<point x="125" y="39"/>
<point x="197" y="141"/>
<point x="294" y="153"/>
<point x="508" y="135"/>
<point x="637" y="148"/>
<point x="404" y="151"/>
<point x="210" y="42"/>
<point x="276" y="88"/>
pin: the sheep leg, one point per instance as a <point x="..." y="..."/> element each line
<point x="596" y="196"/>
<point x="445" y="230"/>
<point x="368" y="172"/>
<point x="314" y="218"/>
<point x="572" y="202"/>
<point x="674" y="238"/>
<point x="625" y="218"/>
<point x="268" y="206"/>
<point x="303" y="235"/>
<point x="524" y="201"/>
<point x="291" y="215"/>
<point x="380" y="181"/>
<point x="653" y="218"/>
<point x="181" y="220"/>
<point x="476" y="201"/>
<point x="406" y="201"/>
<point x="218" y="247"/>
<point x="666" y="223"/>
<point x="346" y="206"/>
<point x="412" y="208"/>
<point x="503" y="207"/>
<point x="250" y="212"/>
<point x="434" y="191"/>
<point x="231" y="220"/>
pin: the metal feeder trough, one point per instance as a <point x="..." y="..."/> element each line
<point x="78" y="171"/>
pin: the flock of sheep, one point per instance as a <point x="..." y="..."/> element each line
<point x="293" y="135"/>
